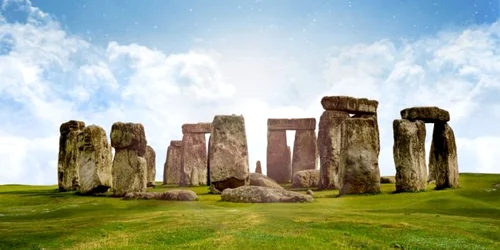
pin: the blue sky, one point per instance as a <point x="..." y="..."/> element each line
<point x="165" y="63"/>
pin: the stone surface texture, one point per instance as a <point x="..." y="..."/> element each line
<point x="67" y="163"/>
<point x="278" y="157"/>
<point x="426" y="114"/>
<point x="194" y="155"/>
<point x="229" y="165"/>
<point x="306" y="179"/>
<point x="291" y="124"/>
<point x="443" y="156"/>
<point x="329" y="138"/>
<point x="359" y="172"/>
<point x="305" y="154"/>
<point x="197" y="128"/>
<point x="350" y="104"/>
<point x="261" y="180"/>
<point x="95" y="161"/>
<point x="258" y="167"/>
<point x="409" y="155"/>
<point x="172" y="166"/>
<point x="172" y="195"/>
<point x="150" y="157"/>
<point x="254" y="194"/>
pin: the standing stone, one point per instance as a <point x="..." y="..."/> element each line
<point x="306" y="178"/>
<point x="194" y="176"/>
<point x="409" y="155"/>
<point x="194" y="155"/>
<point x="208" y="162"/>
<point x="67" y="164"/>
<point x="304" y="151"/>
<point x="172" y="166"/>
<point x="94" y="161"/>
<point x="444" y="156"/>
<point x="258" y="168"/>
<point x="359" y="172"/>
<point x="329" y="136"/>
<point x="278" y="157"/>
<point x="150" y="157"/>
<point x="229" y="166"/>
<point x="129" y="166"/>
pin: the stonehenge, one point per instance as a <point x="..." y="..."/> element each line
<point x="194" y="154"/>
<point x="150" y="157"/>
<point x="278" y="153"/>
<point x="94" y="160"/>
<point x="258" y="168"/>
<point x="67" y="163"/>
<point x="129" y="166"/>
<point x="409" y="150"/>
<point x="172" y="166"/>
<point x="228" y="159"/>
<point x="306" y="178"/>
<point x="349" y="145"/>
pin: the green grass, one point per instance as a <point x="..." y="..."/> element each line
<point x="39" y="217"/>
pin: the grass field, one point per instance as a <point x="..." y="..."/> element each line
<point x="39" y="217"/>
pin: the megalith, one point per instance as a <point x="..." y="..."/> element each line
<point x="95" y="161"/>
<point x="329" y="136"/>
<point x="150" y="157"/>
<point x="360" y="147"/>
<point x="306" y="179"/>
<point x="258" y="168"/>
<point x="278" y="157"/>
<point x="129" y="166"/>
<point x="443" y="157"/>
<point x="172" y="166"/>
<point x="409" y="155"/>
<point x="229" y="166"/>
<point x="304" y="151"/>
<point x="194" y="153"/>
<point x="67" y="163"/>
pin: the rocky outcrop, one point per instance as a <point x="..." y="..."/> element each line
<point x="306" y="179"/>
<point x="409" y="155"/>
<point x="443" y="156"/>
<point x="254" y="194"/>
<point x="304" y="151"/>
<point x="173" y="195"/>
<point x="350" y="104"/>
<point x="67" y="164"/>
<point x="172" y="166"/>
<point x="359" y="172"/>
<point x="94" y="161"/>
<point x="261" y="180"/>
<point x="150" y="157"/>
<point x="129" y="166"/>
<point x="258" y="168"/>
<point x="329" y="136"/>
<point x="426" y="114"/>
<point x="229" y="166"/>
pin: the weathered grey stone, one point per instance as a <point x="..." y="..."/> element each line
<point x="150" y="157"/>
<point x="258" y="168"/>
<point x="129" y="136"/>
<point x="129" y="172"/>
<point x="310" y="192"/>
<point x="67" y="163"/>
<point x="229" y="166"/>
<point x="306" y="179"/>
<point x="387" y="179"/>
<point x="172" y="166"/>
<point x="197" y="128"/>
<point x="195" y="176"/>
<point x="254" y="194"/>
<point x="409" y="155"/>
<point x="172" y="195"/>
<point x="359" y="172"/>
<point x="208" y="162"/>
<point x="443" y="156"/>
<point x="304" y="151"/>
<point x="194" y="155"/>
<point x="278" y="157"/>
<point x="261" y="180"/>
<point x="291" y="124"/>
<point x="329" y="136"/>
<point x="426" y="114"/>
<point x="350" y="104"/>
<point x="95" y="161"/>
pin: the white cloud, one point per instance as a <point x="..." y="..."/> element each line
<point x="49" y="77"/>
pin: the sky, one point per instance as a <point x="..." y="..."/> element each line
<point x="166" y="63"/>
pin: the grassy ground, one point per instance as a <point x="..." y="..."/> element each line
<point x="39" y="217"/>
